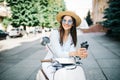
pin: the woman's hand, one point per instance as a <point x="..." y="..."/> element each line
<point x="81" y="52"/>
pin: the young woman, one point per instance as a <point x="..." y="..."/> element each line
<point x="63" y="41"/>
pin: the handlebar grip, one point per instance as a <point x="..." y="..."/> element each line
<point x="84" y="45"/>
<point x="46" y="60"/>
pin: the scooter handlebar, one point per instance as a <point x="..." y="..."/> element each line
<point x="47" y="60"/>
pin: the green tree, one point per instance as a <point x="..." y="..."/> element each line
<point x="23" y="13"/>
<point x="6" y="21"/>
<point x="35" y="12"/>
<point x="88" y="19"/>
<point x="112" y="16"/>
<point x="1" y="1"/>
<point x="47" y="13"/>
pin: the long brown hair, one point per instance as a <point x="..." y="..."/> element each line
<point x="72" y="32"/>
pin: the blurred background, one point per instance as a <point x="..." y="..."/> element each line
<point x="23" y="23"/>
<point x="32" y="16"/>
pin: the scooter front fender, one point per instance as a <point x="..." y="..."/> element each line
<point x="68" y="73"/>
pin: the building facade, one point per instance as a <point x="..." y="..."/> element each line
<point x="98" y="7"/>
<point x="4" y="12"/>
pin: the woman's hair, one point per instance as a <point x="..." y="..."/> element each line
<point x="72" y="32"/>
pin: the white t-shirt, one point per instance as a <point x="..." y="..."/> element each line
<point x="58" y="50"/>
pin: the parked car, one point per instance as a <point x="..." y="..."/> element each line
<point x="47" y="29"/>
<point x="16" y="32"/>
<point x="3" y="34"/>
<point x="38" y="30"/>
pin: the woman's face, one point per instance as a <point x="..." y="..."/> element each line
<point x="67" y="22"/>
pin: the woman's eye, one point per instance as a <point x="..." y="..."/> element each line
<point x="70" y="21"/>
<point x="64" y="20"/>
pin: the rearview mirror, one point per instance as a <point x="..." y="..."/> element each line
<point x="45" y="40"/>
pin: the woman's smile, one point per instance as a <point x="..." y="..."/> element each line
<point x="67" y="22"/>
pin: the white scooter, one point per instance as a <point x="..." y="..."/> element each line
<point x="66" y="69"/>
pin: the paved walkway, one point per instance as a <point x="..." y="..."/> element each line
<point x="13" y="42"/>
<point x="103" y="62"/>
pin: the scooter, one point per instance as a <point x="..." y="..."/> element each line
<point x="66" y="69"/>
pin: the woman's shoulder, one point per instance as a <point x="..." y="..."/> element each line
<point x="54" y="32"/>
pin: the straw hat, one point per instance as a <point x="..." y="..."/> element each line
<point x="69" y="13"/>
